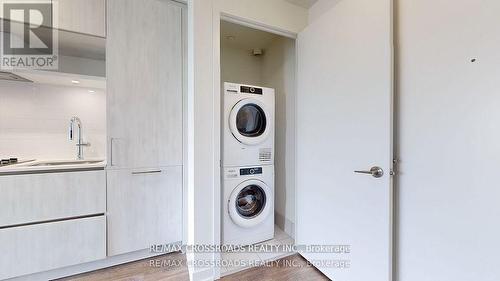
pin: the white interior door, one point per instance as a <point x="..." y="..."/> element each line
<point x="344" y="124"/>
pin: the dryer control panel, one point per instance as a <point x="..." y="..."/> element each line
<point x="243" y="89"/>
<point x="251" y="171"/>
<point x="251" y="90"/>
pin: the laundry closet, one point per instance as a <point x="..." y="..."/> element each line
<point x="257" y="142"/>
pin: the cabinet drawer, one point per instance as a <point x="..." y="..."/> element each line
<point x="144" y="208"/>
<point x="42" y="197"/>
<point x="40" y="247"/>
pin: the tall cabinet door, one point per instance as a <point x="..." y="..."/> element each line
<point x="144" y="56"/>
<point x="144" y="83"/>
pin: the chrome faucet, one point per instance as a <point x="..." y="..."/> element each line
<point x="80" y="144"/>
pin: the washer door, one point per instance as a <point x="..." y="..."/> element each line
<point x="248" y="122"/>
<point x="250" y="203"/>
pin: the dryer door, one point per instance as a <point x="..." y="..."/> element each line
<point x="249" y="122"/>
<point x="250" y="203"/>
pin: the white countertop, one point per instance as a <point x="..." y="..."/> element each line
<point x="34" y="166"/>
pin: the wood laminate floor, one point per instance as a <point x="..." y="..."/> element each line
<point x="280" y="270"/>
<point x="231" y="259"/>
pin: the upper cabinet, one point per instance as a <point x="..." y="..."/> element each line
<point x="144" y="66"/>
<point x="81" y="16"/>
<point x="80" y="26"/>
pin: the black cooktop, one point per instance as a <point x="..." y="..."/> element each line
<point x="9" y="161"/>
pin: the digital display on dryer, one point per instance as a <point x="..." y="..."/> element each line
<point x="251" y="90"/>
<point x="251" y="171"/>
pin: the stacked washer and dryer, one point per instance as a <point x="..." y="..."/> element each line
<point x="248" y="164"/>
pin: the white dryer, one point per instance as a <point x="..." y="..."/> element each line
<point x="248" y="205"/>
<point x="248" y="125"/>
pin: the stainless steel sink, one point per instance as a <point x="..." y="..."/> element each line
<point x="61" y="163"/>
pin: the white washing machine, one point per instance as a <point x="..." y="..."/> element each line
<point x="248" y="125"/>
<point x="248" y="205"/>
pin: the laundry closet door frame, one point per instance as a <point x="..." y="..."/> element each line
<point x="219" y="16"/>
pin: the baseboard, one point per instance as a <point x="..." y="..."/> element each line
<point x="204" y="274"/>
<point x="285" y="224"/>
<point x="87" y="267"/>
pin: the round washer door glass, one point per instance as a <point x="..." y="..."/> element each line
<point x="251" y="120"/>
<point x="250" y="201"/>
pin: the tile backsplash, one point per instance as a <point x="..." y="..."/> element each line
<point x="34" y="120"/>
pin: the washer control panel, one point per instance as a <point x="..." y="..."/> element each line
<point x="243" y="172"/>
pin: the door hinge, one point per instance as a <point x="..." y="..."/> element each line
<point x="394" y="169"/>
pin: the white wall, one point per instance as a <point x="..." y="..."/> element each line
<point x="34" y="120"/>
<point x="449" y="140"/>
<point x="202" y="149"/>
<point x="240" y="66"/>
<point x="276" y="13"/>
<point x="319" y="8"/>
<point x="278" y="72"/>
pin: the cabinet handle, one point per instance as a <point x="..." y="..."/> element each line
<point x="111" y="152"/>
<point x="146" y="172"/>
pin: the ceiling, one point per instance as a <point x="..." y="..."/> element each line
<point x="243" y="37"/>
<point x="303" y="3"/>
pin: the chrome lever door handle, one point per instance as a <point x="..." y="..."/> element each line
<point x="376" y="172"/>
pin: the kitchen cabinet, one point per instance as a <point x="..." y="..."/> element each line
<point x="81" y="16"/>
<point x="50" y="220"/>
<point x="144" y="62"/>
<point x="144" y="208"/>
<point x="33" y="198"/>
<point x="40" y="247"/>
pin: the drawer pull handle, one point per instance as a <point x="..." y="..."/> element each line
<point x="146" y="172"/>
<point x="111" y="152"/>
